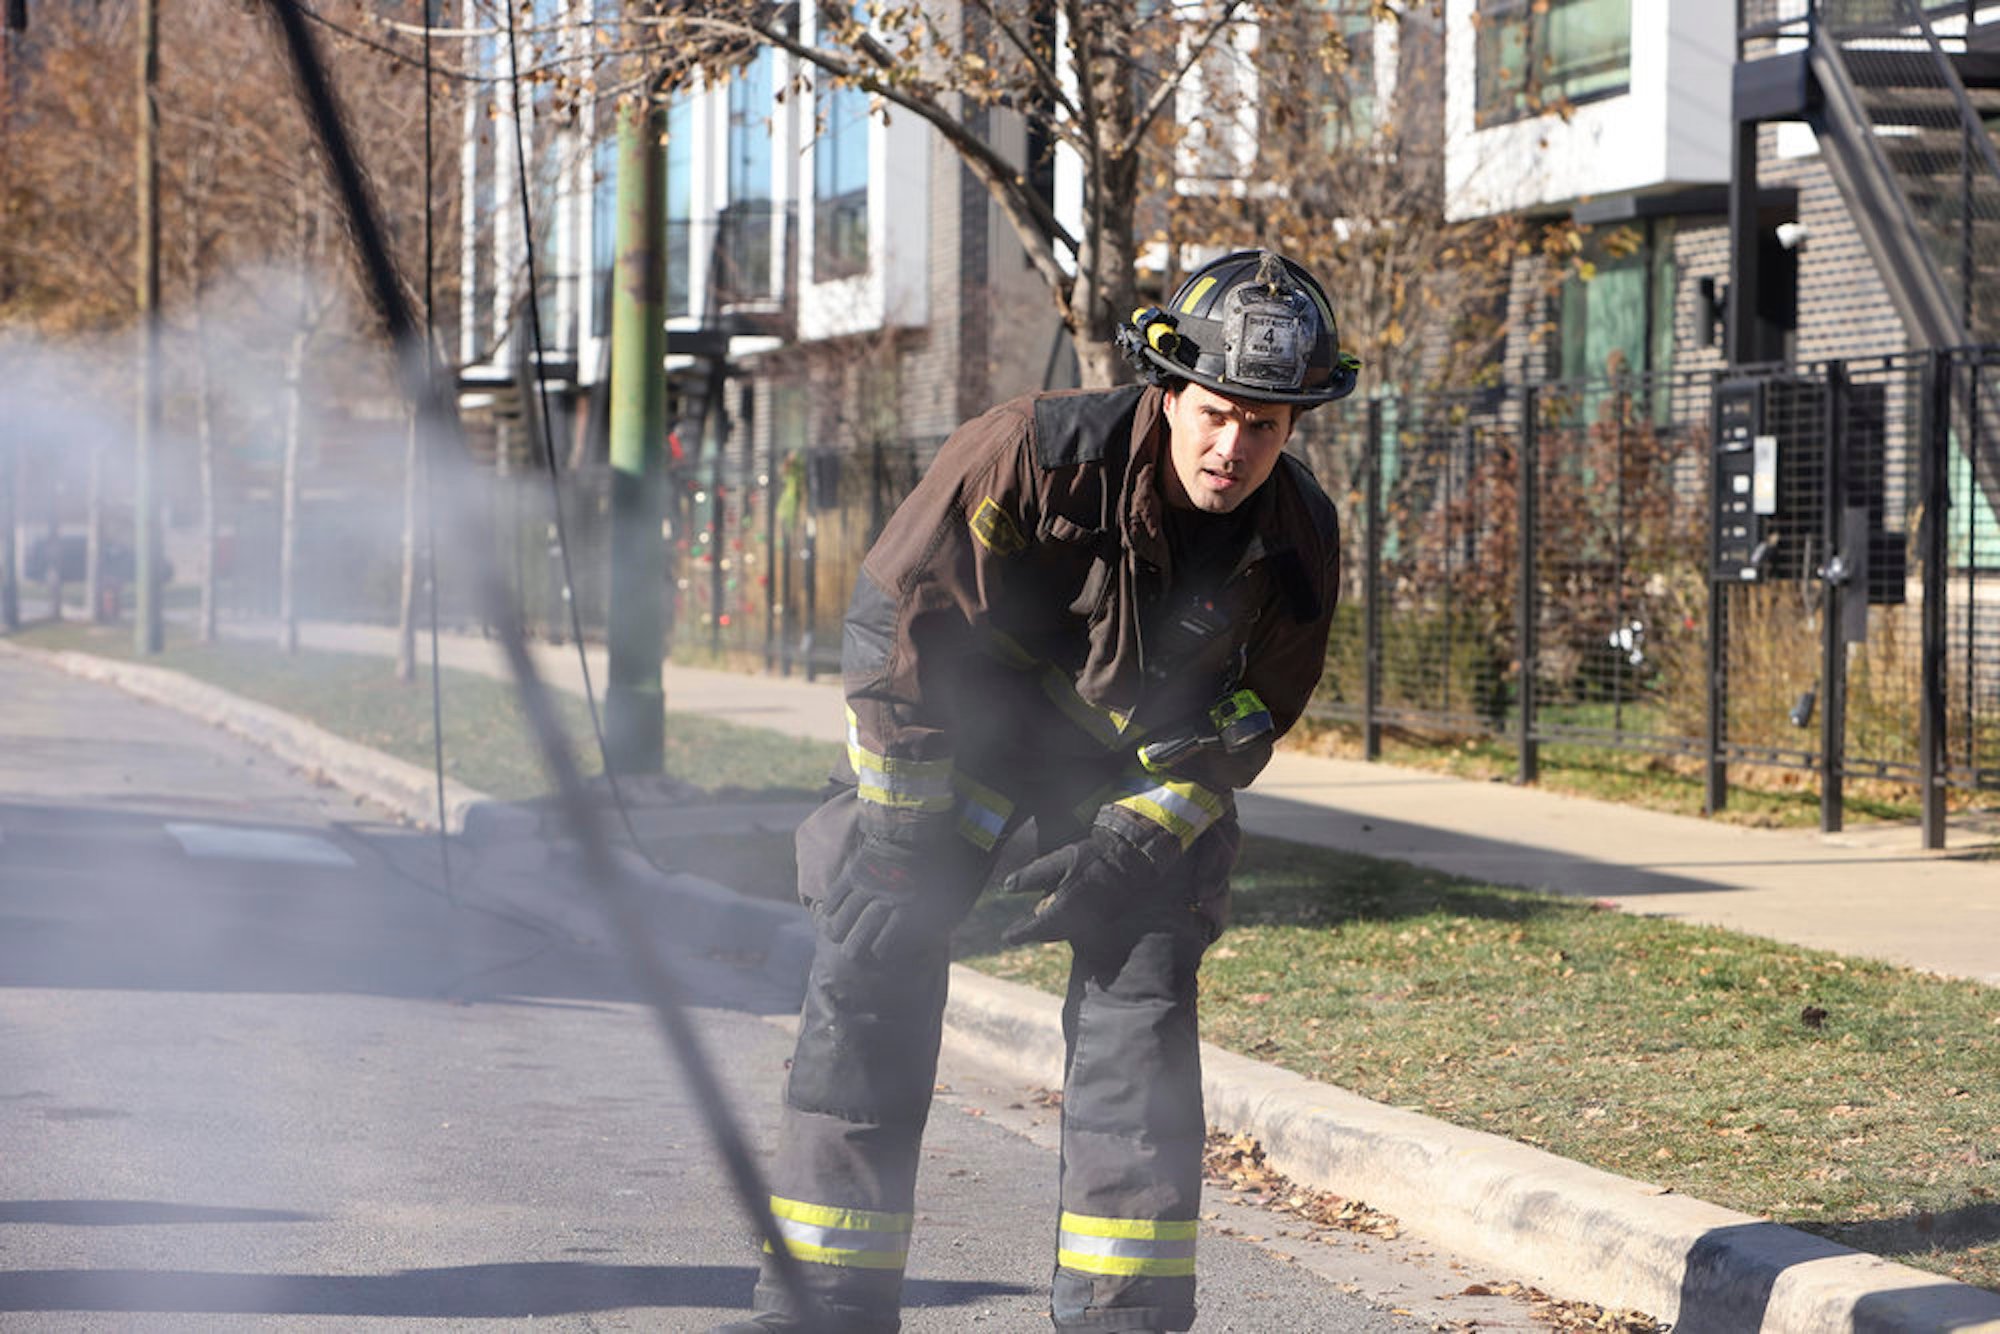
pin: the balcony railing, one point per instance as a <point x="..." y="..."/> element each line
<point x="750" y="248"/>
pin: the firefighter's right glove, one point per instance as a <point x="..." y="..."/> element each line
<point x="879" y="906"/>
<point x="1084" y="885"/>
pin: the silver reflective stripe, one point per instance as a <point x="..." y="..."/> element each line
<point x="1185" y="809"/>
<point x="982" y="812"/>
<point x="923" y="785"/>
<point x="1127" y="1246"/>
<point x="981" y="824"/>
<point x="1152" y="1248"/>
<point x="851" y="1238"/>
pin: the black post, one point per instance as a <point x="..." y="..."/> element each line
<point x="1833" y="644"/>
<point x="1371" y="575"/>
<point x="809" y="573"/>
<point x="1715" y="788"/>
<point x="716" y="433"/>
<point x="877" y="509"/>
<point x="773" y="479"/>
<point x="1741" y="347"/>
<point x="1529" y="507"/>
<point x="1934" y="548"/>
<point x="1743" y="276"/>
<point x="782" y="576"/>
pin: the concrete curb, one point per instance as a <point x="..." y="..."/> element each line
<point x="706" y="917"/>
<point x="1558" y="1224"/>
<point x="1566" y="1227"/>
<point x="404" y="789"/>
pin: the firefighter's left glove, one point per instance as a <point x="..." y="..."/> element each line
<point x="879" y="906"/>
<point x="1083" y="886"/>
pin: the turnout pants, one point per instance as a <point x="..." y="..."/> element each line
<point x="859" y="1093"/>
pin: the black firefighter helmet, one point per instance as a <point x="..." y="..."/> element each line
<point x="1251" y="325"/>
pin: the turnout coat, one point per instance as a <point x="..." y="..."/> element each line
<point x="1032" y="614"/>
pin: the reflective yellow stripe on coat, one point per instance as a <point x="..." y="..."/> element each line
<point x="1148" y="1247"/>
<point x="825" y="1234"/>
<point x="982" y="812"/>
<point x="1182" y="808"/>
<point x="912" y="785"/>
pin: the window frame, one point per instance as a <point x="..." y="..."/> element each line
<point x="1505" y="96"/>
<point x="840" y="240"/>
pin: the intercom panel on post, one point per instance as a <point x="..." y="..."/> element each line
<point x="1746" y="484"/>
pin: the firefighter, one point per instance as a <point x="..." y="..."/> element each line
<point x="1096" y="612"/>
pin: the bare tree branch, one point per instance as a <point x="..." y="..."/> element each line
<point x="1033" y="219"/>
<point x="1164" y="93"/>
<point x="1046" y="74"/>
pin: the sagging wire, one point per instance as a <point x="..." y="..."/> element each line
<point x="383" y="48"/>
<point x="442" y="435"/>
<point x="424" y="477"/>
<point x="544" y="431"/>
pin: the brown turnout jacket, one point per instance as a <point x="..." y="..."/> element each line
<point x="1021" y="627"/>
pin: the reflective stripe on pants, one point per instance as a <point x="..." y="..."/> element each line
<point x="1162" y="1248"/>
<point x="833" y="1235"/>
<point x="857" y="1098"/>
<point x="1133" y="1127"/>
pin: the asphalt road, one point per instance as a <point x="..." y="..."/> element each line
<point x="259" y="1071"/>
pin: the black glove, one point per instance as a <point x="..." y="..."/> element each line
<point x="879" y="907"/>
<point x="1084" y="885"/>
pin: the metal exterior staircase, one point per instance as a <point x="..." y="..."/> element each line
<point x="1909" y="101"/>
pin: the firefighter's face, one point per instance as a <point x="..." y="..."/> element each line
<point x="1223" y="448"/>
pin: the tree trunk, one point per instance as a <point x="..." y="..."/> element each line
<point x="93" y="539"/>
<point x="10" y="549"/>
<point x="295" y="384"/>
<point x="1106" y="289"/>
<point x="204" y="428"/>
<point x="288" y="495"/>
<point x="1106" y="284"/>
<point x="406" y="616"/>
<point x="54" y="576"/>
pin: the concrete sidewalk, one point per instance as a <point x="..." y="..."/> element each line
<point x="1871" y="892"/>
<point x="1568" y="1228"/>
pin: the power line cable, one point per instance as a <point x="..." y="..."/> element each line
<point x="381" y="47"/>
<point x="438" y="419"/>
<point x="401" y="57"/>
<point x="541" y="416"/>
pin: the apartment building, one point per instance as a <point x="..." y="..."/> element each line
<point x="1618" y="114"/>
<point x="835" y="269"/>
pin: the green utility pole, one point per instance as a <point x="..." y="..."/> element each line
<point x="146" y="631"/>
<point x="635" y="697"/>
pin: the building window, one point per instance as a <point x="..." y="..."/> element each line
<point x="840" y="184"/>
<point x="1539" y="55"/>
<point x="746" y="218"/>
<point x="1617" y="314"/>
<point x="1347" y="89"/>
<point x="603" y="219"/>
<point x="680" y="203"/>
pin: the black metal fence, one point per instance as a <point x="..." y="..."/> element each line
<point x="1609" y="564"/>
<point x="1548" y="565"/>
<point x="1796" y="567"/>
